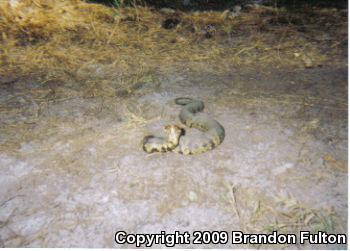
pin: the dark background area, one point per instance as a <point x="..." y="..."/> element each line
<point x="223" y="4"/>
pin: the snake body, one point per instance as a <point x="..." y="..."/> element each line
<point x="190" y="116"/>
<point x="153" y="143"/>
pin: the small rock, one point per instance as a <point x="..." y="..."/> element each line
<point x="307" y="61"/>
<point x="237" y="9"/>
<point x="192" y="196"/>
<point x="167" y="11"/>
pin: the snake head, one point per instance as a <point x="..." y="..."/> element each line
<point x="178" y="130"/>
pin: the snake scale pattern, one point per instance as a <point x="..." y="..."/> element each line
<point x="191" y="115"/>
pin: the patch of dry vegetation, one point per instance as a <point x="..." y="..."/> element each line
<point x="281" y="213"/>
<point x="91" y="43"/>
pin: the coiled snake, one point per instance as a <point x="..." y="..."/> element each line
<point x="190" y="116"/>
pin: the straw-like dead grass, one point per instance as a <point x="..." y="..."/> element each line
<point x="282" y="213"/>
<point x="89" y="42"/>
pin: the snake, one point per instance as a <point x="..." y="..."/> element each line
<point x="191" y="116"/>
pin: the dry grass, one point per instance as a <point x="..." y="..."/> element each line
<point x="88" y="43"/>
<point x="259" y="213"/>
<point x="70" y="49"/>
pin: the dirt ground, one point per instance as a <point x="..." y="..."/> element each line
<point x="81" y="84"/>
<point x="73" y="174"/>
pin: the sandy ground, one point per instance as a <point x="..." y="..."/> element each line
<point x="72" y="172"/>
